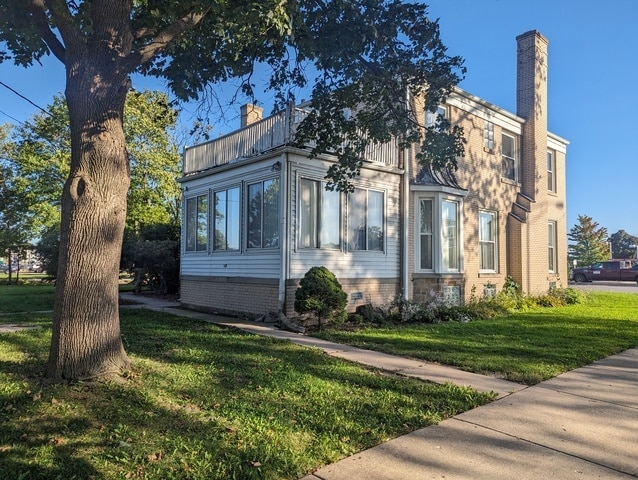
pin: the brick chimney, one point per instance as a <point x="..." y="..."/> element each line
<point x="531" y="104"/>
<point x="250" y="114"/>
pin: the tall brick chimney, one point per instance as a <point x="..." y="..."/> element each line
<point x="250" y="114"/>
<point x="531" y="104"/>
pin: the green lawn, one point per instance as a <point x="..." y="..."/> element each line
<point x="526" y="347"/>
<point x="201" y="402"/>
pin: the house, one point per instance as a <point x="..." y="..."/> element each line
<point x="257" y="216"/>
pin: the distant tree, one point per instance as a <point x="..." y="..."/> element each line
<point x="43" y="154"/>
<point x="365" y="56"/>
<point x="588" y="242"/>
<point x="623" y="245"/>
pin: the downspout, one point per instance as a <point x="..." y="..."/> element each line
<point x="283" y="273"/>
<point x="406" y="224"/>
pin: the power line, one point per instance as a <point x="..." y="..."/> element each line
<point x="12" y="118"/>
<point x="25" y="98"/>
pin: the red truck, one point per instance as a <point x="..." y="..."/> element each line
<point x="606" y="271"/>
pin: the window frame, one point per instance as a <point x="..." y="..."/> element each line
<point x="319" y="218"/>
<point x="262" y="216"/>
<point x="488" y="135"/>
<point x="507" y="158"/>
<point x="432" y="118"/>
<point x="350" y="213"/>
<point x="484" y="242"/>
<point x="201" y="219"/>
<point x="438" y="242"/>
<point x="551" y="171"/>
<point x="214" y="222"/>
<point x="552" y="241"/>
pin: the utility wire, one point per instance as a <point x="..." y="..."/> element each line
<point x="25" y="98"/>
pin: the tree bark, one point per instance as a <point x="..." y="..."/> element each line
<point x="86" y="340"/>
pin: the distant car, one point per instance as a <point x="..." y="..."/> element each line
<point x="606" y="271"/>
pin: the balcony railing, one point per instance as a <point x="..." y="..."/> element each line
<point x="260" y="137"/>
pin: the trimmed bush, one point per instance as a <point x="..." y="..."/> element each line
<point x="321" y="293"/>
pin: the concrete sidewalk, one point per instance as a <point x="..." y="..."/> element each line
<point x="580" y="425"/>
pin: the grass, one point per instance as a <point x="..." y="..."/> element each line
<point x="526" y="347"/>
<point x="26" y="297"/>
<point x="200" y="402"/>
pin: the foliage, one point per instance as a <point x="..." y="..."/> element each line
<point x="526" y="346"/>
<point x="201" y="402"/>
<point x="43" y="155"/>
<point x="320" y="292"/>
<point x="623" y="245"/>
<point x="156" y="259"/>
<point x="589" y="242"/>
<point x="48" y="250"/>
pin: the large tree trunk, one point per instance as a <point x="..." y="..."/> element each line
<point x="86" y="339"/>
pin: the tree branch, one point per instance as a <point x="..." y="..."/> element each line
<point x="146" y="53"/>
<point x="41" y="22"/>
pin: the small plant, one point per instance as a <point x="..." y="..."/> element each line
<point x="321" y="293"/>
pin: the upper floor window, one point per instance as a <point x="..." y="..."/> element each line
<point x="319" y="215"/>
<point x="551" y="245"/>
<point x="488" y="135"/>
<point x="432" y="118"/>
<point x="551" y="171"/>
<point x="510" y="159"/>
<point x="226" y="225"/>
<point x="263" y="214"/>
<point x="197" y="223"/>
<point x="487" y="241"/>
<point x="366" y="220"/>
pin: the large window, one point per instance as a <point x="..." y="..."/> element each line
<point x="197" y="223"/>
<point x="426" y="235"/>
<point x="438" y="243"/>
<point x="487" y="241"/>
<point x="319" y="215"/>
<point x="551" y="246"/>
<point x="226" y="233"/>
<point x="263" y="214"/>
<point x="365" y="220"/>
<point x="510" y="162"/>
<point x="551" y="171"/>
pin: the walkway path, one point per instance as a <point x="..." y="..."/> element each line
<point x="580" y="425"/>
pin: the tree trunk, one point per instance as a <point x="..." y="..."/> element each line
<point x="86" y="339"/>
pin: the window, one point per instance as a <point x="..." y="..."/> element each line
<point x="450" y="235"/>
<point x="319" y="215"/>
<point x="487" y="241"/>
<point x="432" y="118"/>
<point x="551" y="242"/>
<point x="365" y="220"/>
<point x="438" y="238"/>
<point x="426" y="235"/>
<point x="197" y="223"/>
<point x="551" y="172"/>
<point x="488" y="135"/>
<point x="263" y="214"/>
<point x="510" y="165"/>
<point x="226" y="233"/>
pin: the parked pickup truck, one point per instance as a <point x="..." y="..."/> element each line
<point x="606" y="271"/>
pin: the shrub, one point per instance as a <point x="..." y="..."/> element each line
<point x="321" y="293"/>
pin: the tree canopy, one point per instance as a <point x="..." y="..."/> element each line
<point x="589" y="242"/>
<point x="623" y="245"/>
<point x="364" y="62"/>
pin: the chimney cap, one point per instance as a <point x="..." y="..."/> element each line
<point x="532" y="33"/>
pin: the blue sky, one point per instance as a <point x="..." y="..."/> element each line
<point x="593" y="94"/>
